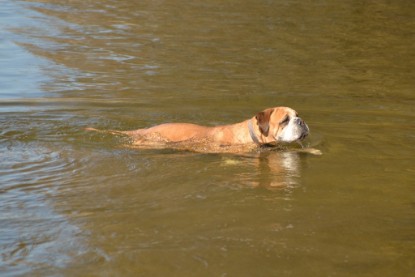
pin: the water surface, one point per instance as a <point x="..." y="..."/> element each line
<point x="80" y="203"/>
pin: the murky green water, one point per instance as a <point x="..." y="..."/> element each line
<point x="74" y="203"/>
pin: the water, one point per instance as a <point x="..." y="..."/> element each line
<point x="80" y="203"/>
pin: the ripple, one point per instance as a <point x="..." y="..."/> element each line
<point x="31" y="229"/>
<point x="30" y="167"/>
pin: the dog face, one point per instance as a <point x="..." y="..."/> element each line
<point x="281" y="124"/>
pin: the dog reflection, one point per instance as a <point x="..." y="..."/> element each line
<point x="276" y="170"/>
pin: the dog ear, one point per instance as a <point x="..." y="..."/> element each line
<point x="263" y="120"/>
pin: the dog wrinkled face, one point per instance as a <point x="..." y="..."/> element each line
<point x="293" y="128"/>
<point x="282" y="124"/>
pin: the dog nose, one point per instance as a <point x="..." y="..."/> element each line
<point x="299" y="121"/>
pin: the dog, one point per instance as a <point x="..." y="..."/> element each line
<point x="271" y="126"/>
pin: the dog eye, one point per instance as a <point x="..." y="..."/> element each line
<point x="285" y="120"/>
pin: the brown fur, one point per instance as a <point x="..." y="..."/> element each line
<point x="265" y="124"/>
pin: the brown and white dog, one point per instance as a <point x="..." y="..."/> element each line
<point x="271" y="126"/>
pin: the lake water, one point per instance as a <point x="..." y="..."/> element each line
<point x="75" y="203"/>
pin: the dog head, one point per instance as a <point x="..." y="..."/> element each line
<point x="281" y="124"/>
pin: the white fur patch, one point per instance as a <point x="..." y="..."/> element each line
<point x="293" y="131"/>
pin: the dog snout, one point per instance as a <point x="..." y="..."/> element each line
<point x="303" y="125"/>
<point x="299" y="121"/>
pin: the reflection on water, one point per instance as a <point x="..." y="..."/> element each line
<point x="275" y="170"/>
<point x="77" y="203"/>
